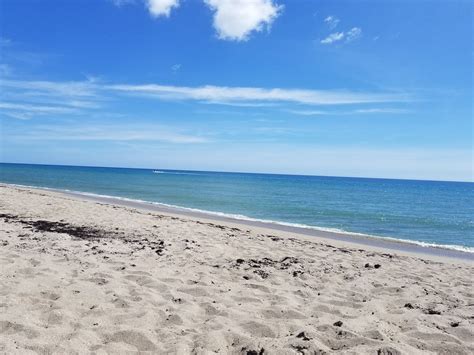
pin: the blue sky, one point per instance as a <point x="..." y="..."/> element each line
<point x="347" y="88"/>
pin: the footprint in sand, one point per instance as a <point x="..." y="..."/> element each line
<point x="130" y="337"/>
<point x="258" y="329"/>
<point x="7" y="327"/>
<point x="195" y="291"/>
<point x="50" y="295"/>
<point x="338" y="339"/>
<point x="285" y="314"/>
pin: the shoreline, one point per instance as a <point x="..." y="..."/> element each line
<point x="379" y="243"/>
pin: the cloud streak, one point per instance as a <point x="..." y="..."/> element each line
<point x="127" y="133"/>
<point x="374" y="110"/>
<point x="26" y="111"/>
<point x="225" y="94"/>
<point x="26" y="98"/>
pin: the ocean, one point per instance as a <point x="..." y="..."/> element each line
<point x="428" y="213"/>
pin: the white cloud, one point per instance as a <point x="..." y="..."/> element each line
<point x="161" y="7"/>
<point x="333" y="37"/>
<point x="236" y="19"/>
<point x="233" y="19"/>
<point x="332" y="21"/>
<point x="217" y="94"/>
<point x="353" y="34"/>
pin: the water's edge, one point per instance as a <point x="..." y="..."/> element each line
<point x="403" y="245"/>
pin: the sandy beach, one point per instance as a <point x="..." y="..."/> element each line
<point x="81" y="276"/>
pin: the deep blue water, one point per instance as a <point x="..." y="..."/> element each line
<point x="426" y="211"/>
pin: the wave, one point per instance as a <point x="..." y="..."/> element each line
<point x="240" y="217"/>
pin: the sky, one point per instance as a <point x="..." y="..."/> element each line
<point x="322" y="87"/>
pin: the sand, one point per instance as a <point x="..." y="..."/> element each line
<point x="79" y="276"/>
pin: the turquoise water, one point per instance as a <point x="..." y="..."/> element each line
<point x="440" y="213"/>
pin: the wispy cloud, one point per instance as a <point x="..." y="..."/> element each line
<point x="241" y="104"/>
<point x="353" y="34"/>
<point x="350" y="112"/>
<point x="48" y="97"/>
<point x="117" y="133"/>
<point x="121" y="3"/>
<point x="333" y="37"/>
<point x="382" y="110"/>
<point x="332" y="21"/>
<point x="309" y="112"/>
<point x="349" y="36"/>
<point x="27" y="99"/>
<point x="54" y="88"/>
<point x="26" y="111"/>
<point x="236" y="19"/>
<point x="217" y="94"/>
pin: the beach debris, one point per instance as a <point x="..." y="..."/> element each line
<point x="408" y="305"/>
<point x="7" y="217"/>
<point x="376" y="266"/>
<point x="259" y="265"/>
<point x="388" y="350"/>
<point x="261" y="273"/>
<point x="253" y="352"/>
<point x="432" y="311"/>
<point x="338" y="323"/>
<point x="274" y="238"/>
<point x="80" y="232"/>
<point x="454" y="324"/>
<point x="88" y="233"/>
<point x="299" y="348"/>
<point x="303" y="336"/>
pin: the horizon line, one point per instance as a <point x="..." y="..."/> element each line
<point x="242" y="172"/>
